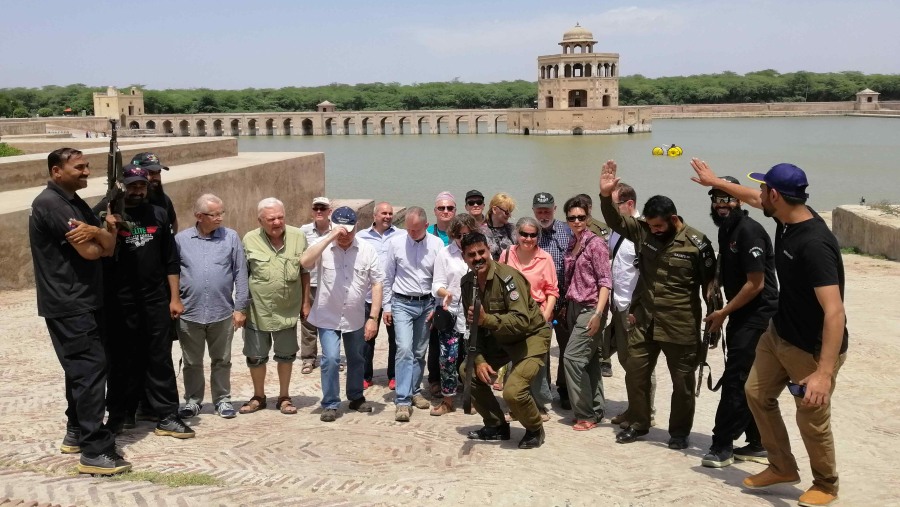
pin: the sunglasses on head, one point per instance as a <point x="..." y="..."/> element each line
<point x="576" y="218"/>
<point x="528" y="234"/>
<point x="723" y="199"/>
<point x="445" y="208"/>
<point x="475" y="202"/>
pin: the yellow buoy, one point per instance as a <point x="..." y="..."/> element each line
<point x="657" y="151"/>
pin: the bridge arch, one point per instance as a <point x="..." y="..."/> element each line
<point x="347" y="123"/>
<point x="270" y="127"/>
<point x="235" y="127"/>
<point x="287" y="126"/>
<point x="184" y="128"/>
<point x="217" y="127"/>
<point x="201" y="127"/>
<point x="306" y="126"/>
<point x="500" y="124"/>
<point x="329" y="129"/>
<point x="167" y="127"/>
<point x="151" y="125"/>
<point x="134" y="125"/>
<point x="251" y="125"/>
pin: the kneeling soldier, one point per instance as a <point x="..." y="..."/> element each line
<point x="512" y="329"/>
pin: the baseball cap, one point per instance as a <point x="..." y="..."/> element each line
<point x="133" y="173"/>
<point x="729" y="179"/>
<point x="474" y="193"/>
<point x="787" y="179"/>
<point x="345" y="217"/>
<point x="148" y="161"/>
<point x="542" y="200"/>
<point x="322" y="200"/>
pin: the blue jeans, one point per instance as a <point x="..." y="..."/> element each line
<point x="354" y="346"/>
<point x="411" y="333"/>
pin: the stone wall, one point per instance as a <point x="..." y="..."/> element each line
<point x="869" y="230"/>
<point x="25" y="171"/>
<point x="21" y="128"/>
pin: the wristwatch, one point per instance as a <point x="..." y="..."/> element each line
<point x="372" y="317"/>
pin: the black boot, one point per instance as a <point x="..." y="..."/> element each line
<point x="532" y="439"/>
<point x="71" y="442"/>
<point x="491" y="433"/>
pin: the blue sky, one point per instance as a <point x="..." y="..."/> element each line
<point x="240" y="44"/>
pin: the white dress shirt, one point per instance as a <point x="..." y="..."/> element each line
<point x="312" y="237"/>
<point x="345" y="277"/>
<point x="449" y="268"/>
<point x="410" y="266"/>
<point x="624" y="272"/>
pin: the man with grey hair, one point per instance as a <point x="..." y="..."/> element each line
<point x="408" y="303"/>
<point x="213" y="266"/>
<point x="277" y="284"/>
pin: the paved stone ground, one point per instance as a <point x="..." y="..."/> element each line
<point x="368" y="459"/>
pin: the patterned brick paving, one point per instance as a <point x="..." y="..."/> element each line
<point x="368" y="459"/>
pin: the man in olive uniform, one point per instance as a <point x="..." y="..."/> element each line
<point x="675" y="261"/>
<point x="511" y="329"/>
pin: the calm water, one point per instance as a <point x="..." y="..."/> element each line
<point x="845" y="158"/>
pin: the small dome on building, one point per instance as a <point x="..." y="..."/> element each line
<point x="325" y="103"/>
<point x="578" y="33"/>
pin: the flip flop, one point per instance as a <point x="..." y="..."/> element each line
<point x="584" y="425"/>
<point x="306" y="369"/>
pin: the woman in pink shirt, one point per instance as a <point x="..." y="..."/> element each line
<point x="537" y="266"/>
<point x="588" y="280"/>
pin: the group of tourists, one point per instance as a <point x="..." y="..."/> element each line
<point x="117" y="288"/>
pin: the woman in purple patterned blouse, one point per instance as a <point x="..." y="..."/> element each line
<point x="588" y="279"/>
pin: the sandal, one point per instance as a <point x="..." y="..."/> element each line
<point x="307" y="368"/>
<point x="285" y="406"/>
<point x="443" y="408"/>
<point x="250" y="407"/>
<point x="584" y="425"/>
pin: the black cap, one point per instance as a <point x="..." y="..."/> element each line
<point x="148" y="161"/>
<point x="474" y="193"/>
<point x="543" y="200"/>
<point x="132" y="173"/>
<point x="729" y="179"/>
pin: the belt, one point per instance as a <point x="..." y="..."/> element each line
<point x="423" y="297"/>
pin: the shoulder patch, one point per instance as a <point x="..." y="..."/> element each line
<point x="506" y="278"/>
<point x="756" y="251"/>
<point x="699" y="243"/>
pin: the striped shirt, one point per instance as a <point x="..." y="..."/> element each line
<point x="211" y="269"/>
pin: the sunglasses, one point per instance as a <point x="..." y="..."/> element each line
<point x="719" y="199"/>
<point x="528" y="234"/>
<point x="320" y="208"/>
<point x="475" y="203"/>
<point x="445" y="208"/>
<point x="507" y="213"/>
<point x="796" y="389"/>
<point x="576" y="218"/>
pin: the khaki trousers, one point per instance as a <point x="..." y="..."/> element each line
<point x="777" y="361"/>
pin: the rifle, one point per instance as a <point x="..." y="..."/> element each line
<point x="471" y="349"/>
<point x="710" y="339"/>
<point x="115" y="176"/>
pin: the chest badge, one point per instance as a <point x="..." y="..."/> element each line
<point x="514" y="295"/>
<point x="733" y="246"/>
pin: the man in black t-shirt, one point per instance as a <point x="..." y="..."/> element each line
<point x="747" y="273"/>
<point x="142" y="299"/>
<point x="155" y="194"/>
<point x="806" y="342"/>
<point x="67" y="242"/>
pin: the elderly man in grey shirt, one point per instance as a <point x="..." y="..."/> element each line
<point x="213" y="266"/>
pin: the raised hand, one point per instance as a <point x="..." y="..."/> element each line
<point x="608" y="179"/>
<point x="705" y="175"/>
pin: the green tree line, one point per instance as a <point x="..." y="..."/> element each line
<point x="725" y="87"/>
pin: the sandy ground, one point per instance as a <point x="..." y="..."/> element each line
<point x="368" y="459"/>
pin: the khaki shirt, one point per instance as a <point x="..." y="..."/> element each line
<point x="276" y="292"/>
<point x="599" y="228"/>
<point x="513" y="321"/>
<point x="672" y="276"/>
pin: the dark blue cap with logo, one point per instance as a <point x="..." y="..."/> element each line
<point x="345" y="217"/>
<point x="148" y="161"/>
<point x="787" y="179"/>
<point x="133" y="173"/>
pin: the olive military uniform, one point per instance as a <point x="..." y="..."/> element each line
<point x="599" y="228"/>
<point x="667" y="309"/>
<point x="514" y="330"/>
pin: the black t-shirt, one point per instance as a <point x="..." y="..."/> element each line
<point x="745" y="247"/>
<point x="162" y="200"/>
<point x="67" y="284"/>
<point x="145" y="256"/>
<point x="807" y="255"/>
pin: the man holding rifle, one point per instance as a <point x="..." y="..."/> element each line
<point x="747" y="265"/>
<point x="511" y="328"/>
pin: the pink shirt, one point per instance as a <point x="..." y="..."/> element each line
<point x="540" y="273"/>
<point x="589" y="271"/>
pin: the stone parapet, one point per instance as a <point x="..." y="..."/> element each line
<point x="869" y="230"/>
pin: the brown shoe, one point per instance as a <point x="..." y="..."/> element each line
<point x="621" y="419"/>
<point x="769" y="477"/>
<point x="443" y="408"/>
<point x="816" y="496"/>
<point x="420" y="402"/>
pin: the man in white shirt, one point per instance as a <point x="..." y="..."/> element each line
<point x="315" y="231"/>
<point x="346" y="269"/>
<point x="408" y="304"/>
<point x="625" y="279"/>
<point x="378" y="235"/>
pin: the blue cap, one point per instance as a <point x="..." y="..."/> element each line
<point x="132" y="173"/>
<point x="787" y="179"/>
<point x="345" y="217"/>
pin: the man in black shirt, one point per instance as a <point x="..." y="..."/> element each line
<point x="807" y="340"/>
<point x="67" y="242"/>
<point x="747" y="266"/>
<point x="155" y="194"/>
<point x="142" y="299"/>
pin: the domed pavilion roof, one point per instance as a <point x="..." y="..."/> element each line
<point x="578" y="34"/>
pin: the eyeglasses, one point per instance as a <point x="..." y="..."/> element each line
<point x="445" y="208"/>
<point x="622" y="202"/>
<point x="507" y="213"/>
<point x="478" y="202"/>
<point x="320" y="208"/>
<point x="576" y="218"/>
<point x="528" y="234"/>
<point x="214" y="215"/>
<point x="726" y="199"/>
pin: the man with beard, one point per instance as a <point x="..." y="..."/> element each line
<point x="676" y="264"/>
<point x="511" y="329"/>
<point x="747" y="265"/>
<point x="141" y="286"/>
<point x="806" y="342"/>
<point x="155" y="194"/>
